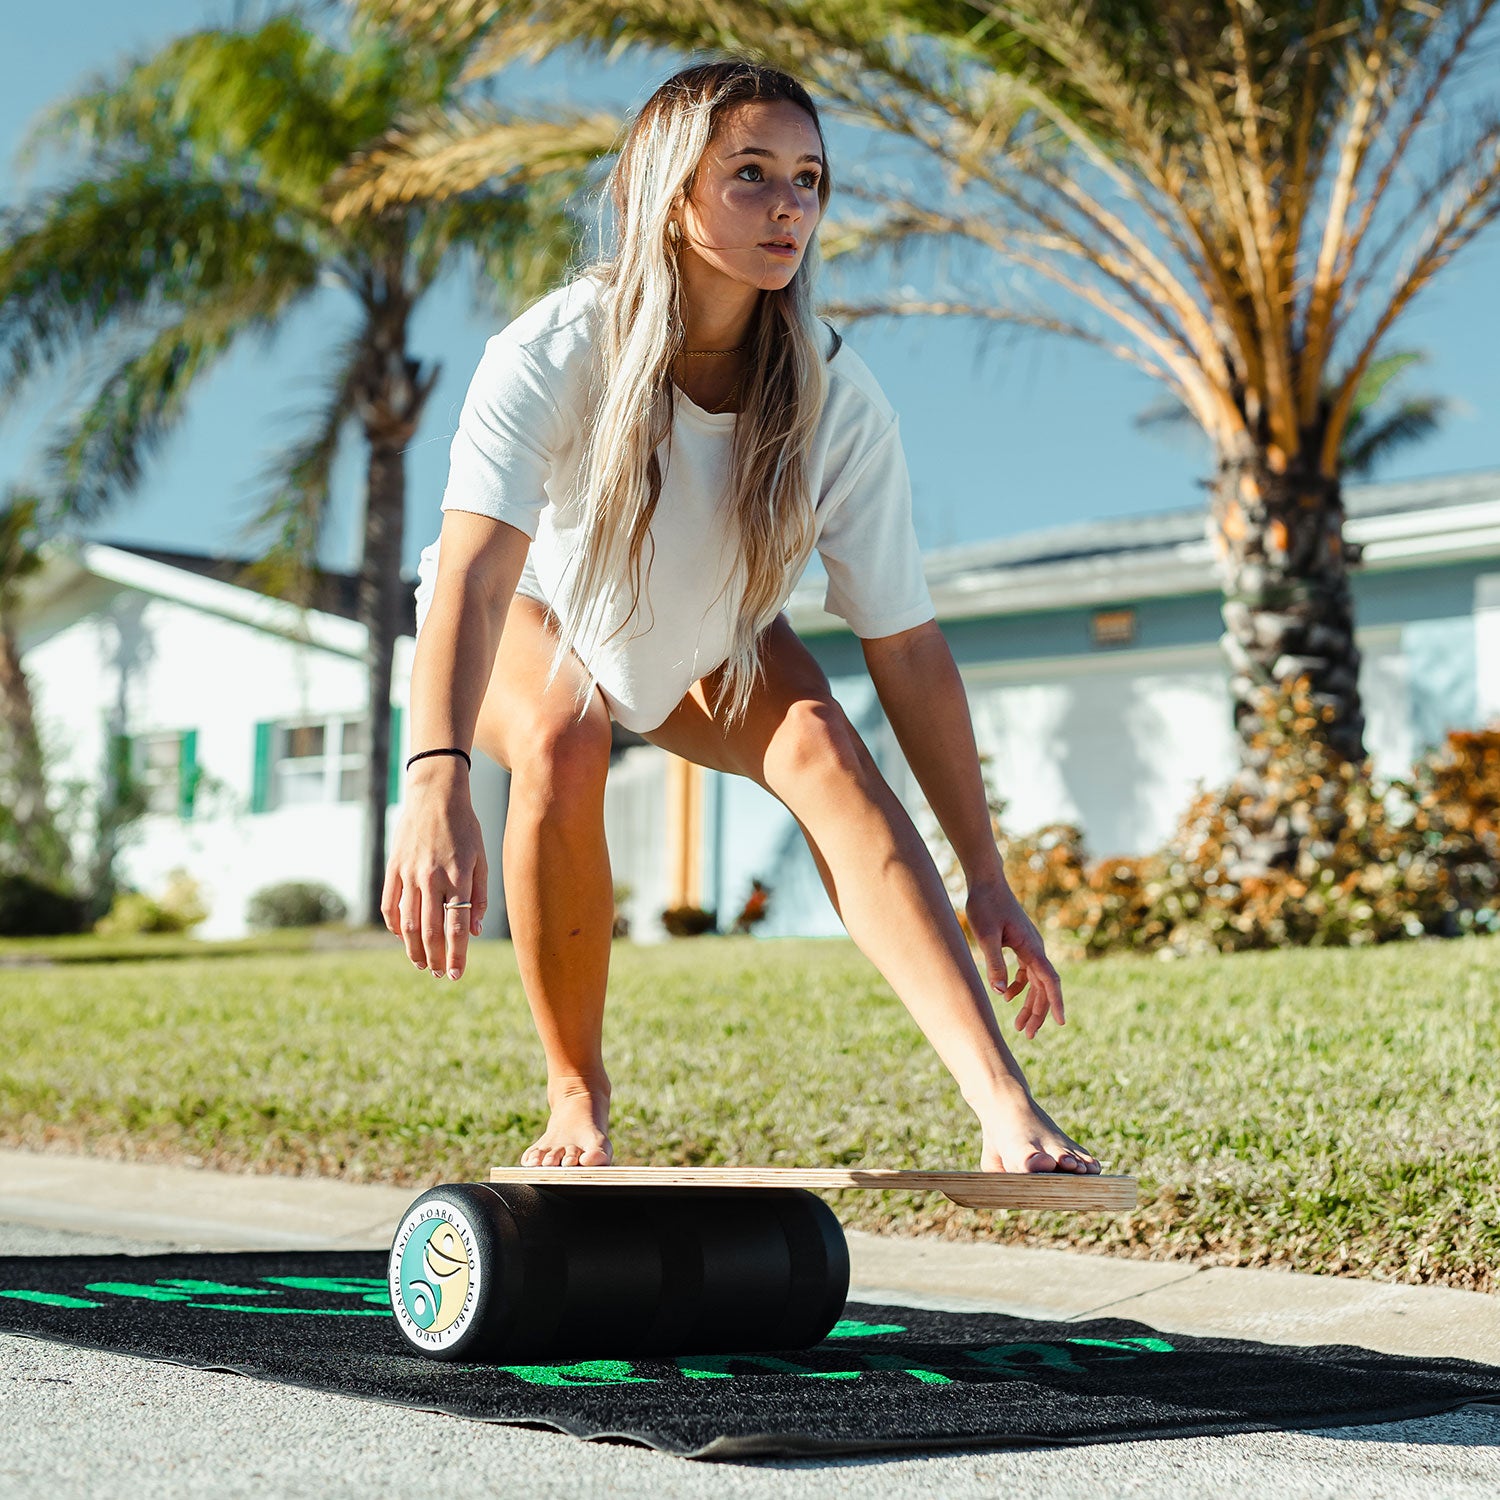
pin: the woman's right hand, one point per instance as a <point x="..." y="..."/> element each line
<point x="437" y="856"/>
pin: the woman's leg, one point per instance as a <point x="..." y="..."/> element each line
<point x="797" y="743"/>
<point x="559" y="892"/>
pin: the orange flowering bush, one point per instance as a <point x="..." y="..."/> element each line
<point x="1306" y="850"/>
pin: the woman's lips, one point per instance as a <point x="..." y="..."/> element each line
<point x="789" y="251"/>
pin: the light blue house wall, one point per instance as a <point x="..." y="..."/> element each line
<point x="1126" y="709"/>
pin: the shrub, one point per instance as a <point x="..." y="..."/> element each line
<point x="689" y="921"/>
<point x="1371" y="860"/>
<point x="33" y="908"/>
<point x="1457" y="790"/>
<point x="131" y="912"/>
<point x="294" y="903"/>
<point x="179" y="908"/>
<point x="620" y="928"/>
<point x="757" y="906"/>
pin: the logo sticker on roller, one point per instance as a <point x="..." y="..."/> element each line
<point x="435" y="1275"/>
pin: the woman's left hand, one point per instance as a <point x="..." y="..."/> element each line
<point x="998" y="922"/>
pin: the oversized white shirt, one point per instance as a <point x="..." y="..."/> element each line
<point x="516" y="457"/>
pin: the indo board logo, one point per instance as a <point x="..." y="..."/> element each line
<point x="435" y="1274"/>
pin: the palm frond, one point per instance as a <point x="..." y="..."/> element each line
<point x="99" y="456"/>
<point x="909" y="305"/>
<point x="1452" y="46"/>
<point x="1369" y="443"/>
<point x="99" y="252"/>
<point x="447" y="151"/>
<point x="1163" y="413"/>
<point x="1380" y="374"/>
<point x="21" y="536"/>
<point x="294" y="512"/>
<point x="868" y="59"/>
<point x="523" y="242"/>
<point x="1473" y="204"/>
<point x="274" y="105"/>
<point x="1086" y="272"/>
<point x="1371" y="434"/>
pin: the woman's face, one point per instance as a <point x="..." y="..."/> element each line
<point x="755" y="194"/>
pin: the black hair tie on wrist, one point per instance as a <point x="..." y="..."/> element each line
<point x="451" y="750"/>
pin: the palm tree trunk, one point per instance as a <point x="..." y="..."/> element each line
<point x="1284" y="567"/>
<point x="36" y="848"/>
<point x="379" y="578"/>
<point x="390" y="397"/>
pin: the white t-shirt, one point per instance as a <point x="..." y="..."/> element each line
<point x="516" y="455"/>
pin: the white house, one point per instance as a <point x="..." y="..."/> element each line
<point x="1090" y="656"/>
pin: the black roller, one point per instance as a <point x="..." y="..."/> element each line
<point x="514" y="1273"/>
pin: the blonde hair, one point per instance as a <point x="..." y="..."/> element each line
<point x="641" y="332"/>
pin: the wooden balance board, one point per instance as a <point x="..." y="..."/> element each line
<point x="1065" y="1191"/>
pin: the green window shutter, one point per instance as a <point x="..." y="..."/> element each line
<point x="260" y="786"/>
<point x="393" y="781"/>
<point x="187" y="772"/>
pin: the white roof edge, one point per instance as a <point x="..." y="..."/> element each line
<point x="1451" y="533"/>
<point x="1149" y="529"/>
<point x="330" y="632"/>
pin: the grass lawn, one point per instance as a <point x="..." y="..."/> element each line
<point x="1329" y="1110"/>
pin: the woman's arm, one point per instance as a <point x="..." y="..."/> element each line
<point x="917" y="682"/>
<point x="919" y="687"/>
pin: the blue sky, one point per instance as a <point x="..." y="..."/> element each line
<point x="1002" y="437"/>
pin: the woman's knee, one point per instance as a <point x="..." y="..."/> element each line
<point x="813" y="742"/>
<point x="560" y="763"/>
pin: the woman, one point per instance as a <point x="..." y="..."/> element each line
<point x="644" y="462"/>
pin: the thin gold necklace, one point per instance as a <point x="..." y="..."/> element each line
<point x="734" y="391"/>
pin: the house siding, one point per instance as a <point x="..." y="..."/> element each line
<point x="1117" y="740"/>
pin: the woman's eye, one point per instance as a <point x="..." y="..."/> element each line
<point x="809" y="177"/>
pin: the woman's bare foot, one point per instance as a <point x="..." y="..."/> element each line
<point x="577" y="1133"/>
<point x="1019" y="1136"/>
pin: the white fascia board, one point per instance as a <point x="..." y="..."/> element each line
<point x="1448" y="534"/>
<point x="1452" y="533"/>
<point x="1184" y="569"/>
<point x="312" y="627"/>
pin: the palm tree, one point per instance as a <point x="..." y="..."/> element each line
<point x="200" y="214"/>
<point x="1382" y="420"/>
<point x="1239" y="197"/>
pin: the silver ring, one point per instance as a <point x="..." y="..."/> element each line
<point x="456" y="905"/>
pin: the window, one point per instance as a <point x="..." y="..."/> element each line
<point x="164" y="767"/>
<point x="319" y="761"/>
<point x="353" y="749"/>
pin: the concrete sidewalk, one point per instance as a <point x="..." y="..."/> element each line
<point x="182" y="1207"/>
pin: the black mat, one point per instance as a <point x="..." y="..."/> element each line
<point x="890" y="1377"/>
